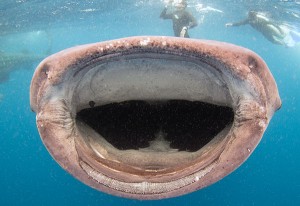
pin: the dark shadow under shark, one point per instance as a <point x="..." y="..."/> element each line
<point x="10" y="62"/>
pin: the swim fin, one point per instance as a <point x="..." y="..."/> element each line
<point x="295" y="36"/>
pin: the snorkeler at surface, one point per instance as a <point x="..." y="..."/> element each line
<point x="182" y="19"/>
<point x="274" y="32"/>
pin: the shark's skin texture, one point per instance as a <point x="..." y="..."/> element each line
<point x="151" y="68"/>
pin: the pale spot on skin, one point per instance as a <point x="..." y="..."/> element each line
<point x="145" y="42"/>
<point x="262" y="124"/>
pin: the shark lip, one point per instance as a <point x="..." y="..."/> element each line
<point x="140" y="117"/>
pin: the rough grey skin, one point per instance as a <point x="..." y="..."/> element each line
<point x="151" y="69"/>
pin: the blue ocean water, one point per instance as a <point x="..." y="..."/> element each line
<point x="29" y="175"/>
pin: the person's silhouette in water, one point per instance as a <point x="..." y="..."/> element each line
<point x="182" y="19"/>
<point x="273" y="31"/>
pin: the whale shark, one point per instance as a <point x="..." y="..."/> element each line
<point x="152" y="117"/>
<point x="10" y="62"/>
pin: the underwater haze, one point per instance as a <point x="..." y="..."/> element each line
<point x="31" y="30"/>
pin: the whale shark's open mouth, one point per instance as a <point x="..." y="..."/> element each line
<point x="166" y="126"/>
<point x="151" y="112"/>
<point x="152" y="117"/>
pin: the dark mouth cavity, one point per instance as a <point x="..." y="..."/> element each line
<point x="186" y="125"/>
